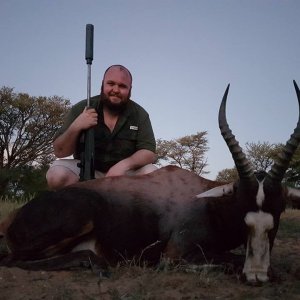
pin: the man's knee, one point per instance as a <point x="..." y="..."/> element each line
<point x="59" y="177"/>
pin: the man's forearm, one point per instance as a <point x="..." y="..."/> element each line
<point x="137" y="160"/>
<point x="140" y="158"/>
<point x="65" y="144"/>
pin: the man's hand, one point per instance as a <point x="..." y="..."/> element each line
<point x="137" y="160"/>
<point x="118" y="169"/>
<point x="87" y="119"/>
<point x="65" y="144"/>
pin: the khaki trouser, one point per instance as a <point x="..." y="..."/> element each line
<point x="72" y="165"/>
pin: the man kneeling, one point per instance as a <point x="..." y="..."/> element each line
<point x="124" y="139"/>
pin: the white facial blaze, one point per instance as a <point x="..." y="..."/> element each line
<point x="260" y="196"/>
<point x="258" y="247"/>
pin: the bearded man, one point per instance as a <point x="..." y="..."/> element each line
<point x="124" y="139"/>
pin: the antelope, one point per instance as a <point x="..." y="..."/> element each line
<point x="170" y="213"/>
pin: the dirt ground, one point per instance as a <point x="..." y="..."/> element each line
<point x="133" y="282"/>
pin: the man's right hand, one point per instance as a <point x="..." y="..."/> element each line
<point x="65" y="144"/>
<point x="87" y="119"/>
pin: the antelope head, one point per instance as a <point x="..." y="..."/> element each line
<point x="261" y="194"/>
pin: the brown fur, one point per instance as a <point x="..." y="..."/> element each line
<point x="125" y="215"/>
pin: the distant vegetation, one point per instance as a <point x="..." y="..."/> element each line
<point x="28" y="124"/>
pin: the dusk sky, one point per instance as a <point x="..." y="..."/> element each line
<point x="182" y="55"/>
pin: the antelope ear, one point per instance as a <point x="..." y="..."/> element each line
<point x="219" y="191"/>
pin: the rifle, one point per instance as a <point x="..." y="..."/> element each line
<point x="86" y="164"/>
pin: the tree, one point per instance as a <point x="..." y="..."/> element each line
<point x="27" y="127"/>
<point x="292" y="176"/>
<point x="227" y="175"/>
<point x="25" y="182"/>
<point x="262" y="154"/>
<point x="187" y="152"/>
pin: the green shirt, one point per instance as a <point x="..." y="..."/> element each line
<point x="132" y="132"/>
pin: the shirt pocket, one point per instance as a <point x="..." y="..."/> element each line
<point x="125" y="143"/>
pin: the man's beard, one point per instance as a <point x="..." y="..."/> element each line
<point x="115" y="108"/>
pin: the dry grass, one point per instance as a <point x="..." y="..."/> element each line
<point x="8" y="206"/>
<point x="289" y="224"/>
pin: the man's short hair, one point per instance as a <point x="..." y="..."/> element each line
<point x="121" y="68"/>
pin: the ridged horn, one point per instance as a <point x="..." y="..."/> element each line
<point x="285" y="156"/>
<point x="243" y="166"/>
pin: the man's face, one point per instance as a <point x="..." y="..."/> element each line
<point x="116" y="88"/>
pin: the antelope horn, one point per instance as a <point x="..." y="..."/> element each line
<point x="284" y="157"/>
<point x="243" y="166"/>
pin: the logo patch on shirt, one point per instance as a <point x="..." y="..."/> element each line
<point x="133" y="127"/>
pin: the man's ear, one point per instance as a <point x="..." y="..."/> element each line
<point x="101" y="91"/>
